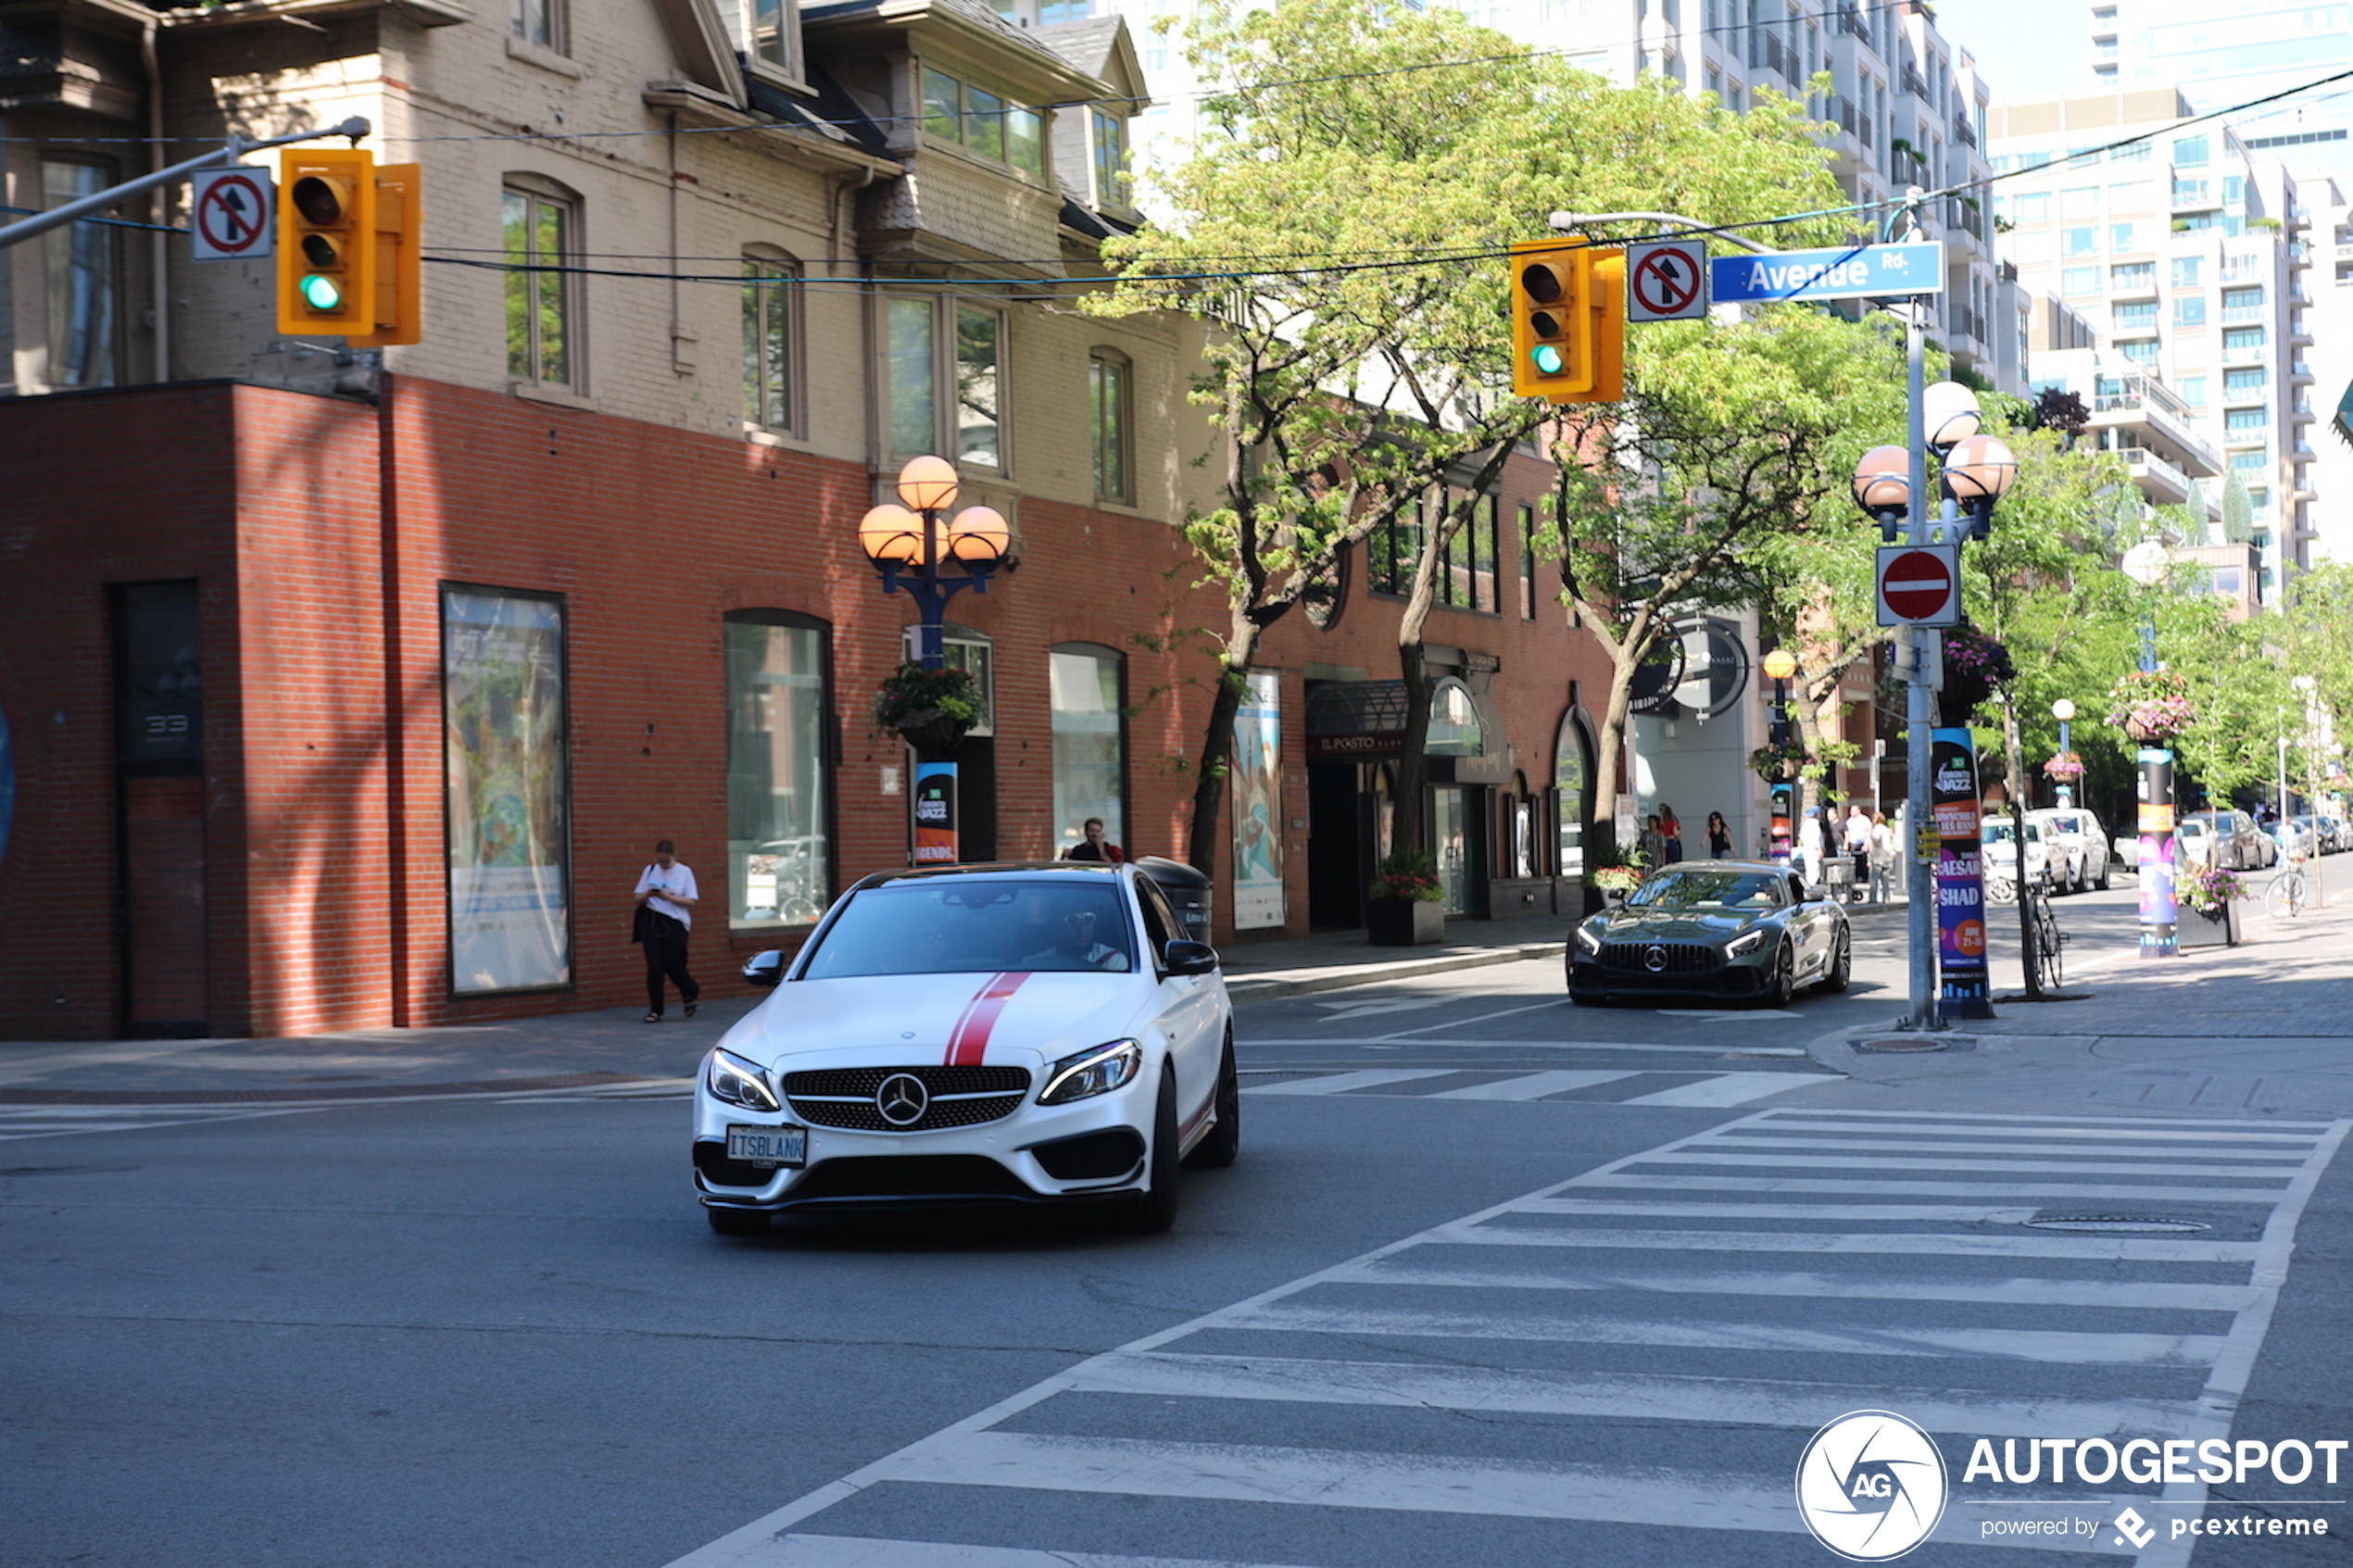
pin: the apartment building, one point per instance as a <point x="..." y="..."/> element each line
<point x="346" y="688"/>
<point x="2223" y="53"/>
<point x="2189" y="256"/>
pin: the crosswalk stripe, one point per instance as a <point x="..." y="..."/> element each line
<point x="2040" y="1167"/>
<point x="1534" y="1085"/>
<point x="1731" y="1088"/>
<point x="1717" y="1400"/>
<point x="1957" y="1213"/>
<point x="2065" y="1347"/>
<point x="1968" y="1122"/>
<point x="2115" y="1248"/>
<point x="1986" y="1190"/>
<point x="855" y="1552"/>
<point x="1340" y="1084"/>
<point x="2288" y="1157"/>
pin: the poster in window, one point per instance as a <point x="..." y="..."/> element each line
<point x="510" y="835"/>
<point x="1258" y="804"/>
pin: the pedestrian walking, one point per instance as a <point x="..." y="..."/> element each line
<point x="1671" y="828"/>
<point x="1093" y="846"/>
<point x="1883" y="858"/>
<point x="666" y="897"/>
<point x="1858" y="849"/>
<point x="1720" y="838"/>
<point x="1653" y="844"/>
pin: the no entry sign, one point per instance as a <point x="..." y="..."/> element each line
<point x="230" y="217"/>
<point x="1919" y="585"/>
<point x="1665" y="281"/>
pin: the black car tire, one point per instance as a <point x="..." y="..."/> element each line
<point x="1222" y="1142"/>
<point x="1154" y="1208"/>
<point x="1783" y="986"/>
<point x="1834" y="979"/>
<point x="737" y="1221"/>
<point x="2108" y="871"/>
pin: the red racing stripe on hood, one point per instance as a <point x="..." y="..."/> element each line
<point x="968" y="1042"/>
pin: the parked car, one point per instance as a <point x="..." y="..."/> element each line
<point x="1713" y="928"/>
<point x="2075" y="833"/>
<point x="2294" y="838"/>
<point x="2326" y="834"/>
<point x="2127" y="855"/>
<point x="1024" y="1034"/>
<point x="1997" y="847"/>
<point x="2224" y="838"/>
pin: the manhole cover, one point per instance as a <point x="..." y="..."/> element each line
<point x="2123" y="1223"/>
<point x="1904" y="1043"/>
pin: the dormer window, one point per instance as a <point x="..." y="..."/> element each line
<point x="1110" y="159"/>
<point x="984" y="123"/>
<point x="772" y="29"/>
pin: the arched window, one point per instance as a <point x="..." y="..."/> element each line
<point x="779" y="777"/>
<point x="1573" y="788"/>
<point x="1090" y="749"/>
<point x="540" y="221"/>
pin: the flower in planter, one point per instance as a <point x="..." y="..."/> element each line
<point x="2068" y="765"/>
<point x="1619" y="879"/>
<point x="2209" y="890"/>
<point x="1409" y="873"/>
<point x="911" y="691"/>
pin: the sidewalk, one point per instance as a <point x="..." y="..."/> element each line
<point x="613" y="1047"/>
<point x="2265" y="1028"/>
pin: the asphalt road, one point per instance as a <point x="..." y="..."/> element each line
<point x="1576" y="1290"/>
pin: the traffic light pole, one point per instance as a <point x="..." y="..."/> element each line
<point x="1919" y="717"/>
<point x="115" y="196"/>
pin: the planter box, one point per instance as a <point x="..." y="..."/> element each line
<point x="2195" y="930"/>
<point x="1404" y="923"/>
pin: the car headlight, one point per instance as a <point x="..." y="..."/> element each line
<point x="1097" y="1070"/>
<point x="1588" y="941"/>
<point x="731" y="1078"/>
<point x="1747" y="942"/>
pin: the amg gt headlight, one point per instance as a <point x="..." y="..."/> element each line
<point x="1747" y="942"/>
<point x="1097" y="1070"/>
<point x="731" y="1078"/>
<point x="1588" y="941"/>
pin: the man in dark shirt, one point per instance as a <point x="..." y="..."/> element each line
<point x="1094" y="846"/>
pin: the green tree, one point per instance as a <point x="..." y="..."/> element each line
<point x="1340" y="229"/>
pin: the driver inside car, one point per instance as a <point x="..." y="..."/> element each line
<point x="1074" y="948"/>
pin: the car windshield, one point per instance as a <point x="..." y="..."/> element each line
<point x="1998" y="832"/>
<point x="2065" y="824"/>
<point x="976" y="925"/>
<point x="1710" y="890"/>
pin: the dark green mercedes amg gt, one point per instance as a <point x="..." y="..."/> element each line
<point x="1738" y="929"/>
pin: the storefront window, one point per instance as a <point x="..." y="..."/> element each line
<point x="779" y="842"/>
<point x="1090" y="762"/>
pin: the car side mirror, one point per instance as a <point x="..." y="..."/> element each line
<point x="1189" y="958"/>
<point x="765" y="970"/>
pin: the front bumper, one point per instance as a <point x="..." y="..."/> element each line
<point x="1733" y="980"/>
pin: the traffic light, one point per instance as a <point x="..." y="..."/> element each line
<point x="326" y="241"/>
<point x="1568" y="321"/>
<point x="400" y="263"/>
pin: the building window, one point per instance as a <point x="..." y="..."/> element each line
<point x="2136" y="152"/>
<point x="2134" y="277"/>
<point x="1572" y="792"/>
<point x="538" y="21"/>
<point x="2193" y="390"/>
<point x="1110" y="159"/>
<point x="1528" y="563"/>
<point x="2124" y="236"/>
<point x="2241" y="304"/>
<point x="912" y="373"/>
<point x="2139" y="316"/>
<point x="779" y="837"/>
<point x="768" y="299"/>
<point x="2249" y="462"/>
<point x="2140" y="351"/>
<point x="541" y="233"/>
<point x="2246" y="340"/>
<point x="506" y="779"/>
<point x="85" y="282"/>
<point x="1466" y="577"/>
<point x="2259" y="499"/>
<point x="2079" y="282"/>
<point x="984" y="123"/>
<point x="2083" y="201"/>
<point x="1090" y="761"/>
<point x="979" y="386"/>
<point x="2186" y="270"/>
<point x="1391" y="551"/>
<point x="2189" y="310"/>
<point x="2247" y="418"/>
<point x="2190" y="152"/>
<point x="774" y="27"/>
<point x="2079" y="241"/>
<point x="2033" y="207"/>
<point x="943" y="105"/>
<point x="1107" y="395"/>
<point x="2137" y="195"/>
<point x="2249" y="381"/>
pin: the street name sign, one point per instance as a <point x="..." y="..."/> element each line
<point x="230" y="216"/>
<point x="1919" y="585"/>
<point x="1667" y="280"/>
<point x="1851" y="272"/>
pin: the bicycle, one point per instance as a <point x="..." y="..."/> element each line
<point x="2287" y="894"/>
<point x="2049" y="968"/>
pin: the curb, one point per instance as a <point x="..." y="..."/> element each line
<point x="1299" y="983"/>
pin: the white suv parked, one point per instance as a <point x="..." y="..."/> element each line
<point x="2080" y="850"/>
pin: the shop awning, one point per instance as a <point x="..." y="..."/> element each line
<point x="1353" y="721"/>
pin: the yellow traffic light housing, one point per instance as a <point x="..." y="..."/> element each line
<point x="399" y="262"/>
<point x="326" y="241"/>
<point x="1568" y="321"/>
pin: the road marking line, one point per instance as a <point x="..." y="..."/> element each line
<point x="863" y="1551"/>
<point x="2286" y="1157"/>
<point x="2147" y="1295"/>
<point x="1794" y="1120"/>
<point x="1993" y="1165"/>
<point x="1534" y="1085"/>
<point x="1342" y="1083"/>
<point x="1718" y="1050"/>
<point x="1957" y="1213"/>
<point x="2014" y="1243"/>
<point x="1731" y="1088"/>
<point x="2315" y="1128"/>
<point x="1982" y="1190"/>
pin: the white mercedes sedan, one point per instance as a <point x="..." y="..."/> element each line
<point x="1014" y="1033"/>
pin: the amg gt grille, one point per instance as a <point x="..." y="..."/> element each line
<point x="1661" y="958"/>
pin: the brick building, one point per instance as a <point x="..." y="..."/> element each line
<point x="344" y="689"/>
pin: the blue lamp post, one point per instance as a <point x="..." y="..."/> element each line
<point x="909" y="542"/>
<point x="2063" y="710"/>
<point x="2161" y="911"/>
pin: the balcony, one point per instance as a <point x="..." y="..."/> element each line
<point x="1964" y="132"/>
<point x="1915" y="85"/>
<point x="1850" y="21"/>
<point x="2160" y="480"/>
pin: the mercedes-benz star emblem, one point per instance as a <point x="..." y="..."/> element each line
<point x="902" y="1099"/>
<point x="1654" y="958"/>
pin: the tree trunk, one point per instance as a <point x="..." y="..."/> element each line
<point x="1217" y="746"/>
<point x="1609" y="745"/>
<point x="2027" y="955"/>
<point x="1413" y="758"/>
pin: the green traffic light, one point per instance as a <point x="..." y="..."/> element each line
<point x="321" y="293"/>
<point x="1548" y="359"/>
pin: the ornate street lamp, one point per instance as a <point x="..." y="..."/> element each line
<point x="1778" y="666"/>
<point x="909" y="542"/>
<point x="2063" y="710"/>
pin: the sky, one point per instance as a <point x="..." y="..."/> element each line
<point x="2027" y="48"/>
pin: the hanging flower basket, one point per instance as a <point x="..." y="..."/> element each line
<point x="1975" y="667"/>
<point x="1776" y="764"/>
<point x="932" y="709"/>
<point x="2066" y="767"/>
<point x="2152" y="706"/>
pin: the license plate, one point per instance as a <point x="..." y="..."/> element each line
<point x="768" y="1146"/>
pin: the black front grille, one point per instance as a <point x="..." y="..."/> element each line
<point x="1674" y="957"/>
<point x="1099" y="1156"/>
<point x="914" y="1175"/>
<point x="844" y="1097"/>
